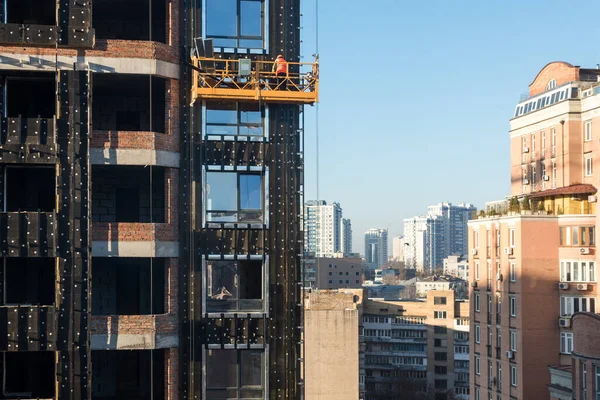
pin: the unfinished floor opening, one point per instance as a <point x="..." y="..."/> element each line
<point x="29" y="188"/>
<point x="130" y="19"/>
<point x="37" y="12"/>
<point x="128" y="194"/>
<point x="124" y="102"/>
<point x="235" y="285"/>
<point x="29" y="281"/>
<point x="132" y="286"/>
<point x="30" y="95"/>
<point x="128" y="375"/>
<point x="28" y="375"/>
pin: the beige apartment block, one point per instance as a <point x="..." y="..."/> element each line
<point x="331" y="344"/>
<point x="532" y="270"/>
<point x="416" y="347"/>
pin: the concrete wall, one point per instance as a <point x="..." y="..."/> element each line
<point x="331" y="346"/>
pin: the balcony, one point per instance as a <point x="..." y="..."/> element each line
<point x="249" y="80"/>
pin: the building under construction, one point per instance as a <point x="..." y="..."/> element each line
<point x="151" y="170"/>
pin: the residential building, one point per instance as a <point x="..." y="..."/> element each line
<point x="398" y="248"/>
<point x="401" y="290"/>
<point x="457" y="266"/>
<point x="331" y="344"/>
<point x="530" y="271"/>
<point x="416" y="346"/>
<point x="346" y="239"/>
<point x="432" y="237"/>
<point x="376" y="248"/>
<point x="441" y="282"/>
<point x="337" y="272"/>
<point x="323" y="228"/>
<point x="143" y="207"/>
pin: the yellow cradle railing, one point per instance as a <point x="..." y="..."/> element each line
<point x="247" y="80"/>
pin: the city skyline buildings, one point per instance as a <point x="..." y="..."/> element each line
<point x="326" y="231"/>
<point x="376" y="248"/>
<point x="440" y="233"/>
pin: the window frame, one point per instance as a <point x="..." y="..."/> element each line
<point x="513" y="375"/>
<point x="263" y="172"/>
<point x="513" y="272"/>
<point x="513" y="341"/>
<point x="566" y="342"/>
<point x="477" y="365"/>
<point x="477" y="333"/>
<point x="239" y="37"/>
<point x="588" y="131"/>
<point x="589" y="164"/>
<point x="477" y="302"/>
<point x="511" y="237"/>
<point x="264" y="367"/>
<point x="513" y="306"/>
<point x="576" y="267"/>
<point x="264" y="124"/>
<point x="265" y="285"/>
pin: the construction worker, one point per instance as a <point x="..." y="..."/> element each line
<point x="280" y="69"/>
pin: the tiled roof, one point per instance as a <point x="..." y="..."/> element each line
<point x="578" y="188"/>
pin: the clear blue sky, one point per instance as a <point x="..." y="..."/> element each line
<point x="416" y="97"/>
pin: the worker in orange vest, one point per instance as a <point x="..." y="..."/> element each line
<point x="280" y="69"/>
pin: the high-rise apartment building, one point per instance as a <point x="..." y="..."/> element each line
<point x="531" y="270"/>
<point x="376" y="248"/>
<point x="151" y="210"/>
<point x="416" y="348"/>
<point x="437" y="235"/>
<point x="346" y="239"/>
<point x="398" y="248"/>
<point x="323" y="228"/>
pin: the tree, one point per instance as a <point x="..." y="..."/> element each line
<point x="525" y="204"/>
<point x="513" y="204"/>
<point x="482" y="213"/>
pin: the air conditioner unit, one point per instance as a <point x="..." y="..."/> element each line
<point x="546" y="177"/>
<point x="525" y="181"/>
<point x="584" y="250"/>
<point x="592" y="199"/>
<point x="582" y="286"/>
<point x="474" y="252"/>
<point x="508" y="250"/>
<point x="564" y="322"/>
<point x="525" y="149"/>
<point x="474" y="284"/>
<point x="510" y="355"/>
<point x="563" y="286"/>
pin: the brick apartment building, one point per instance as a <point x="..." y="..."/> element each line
<point x="532" y="270"/>
<point x="127" y="270"/>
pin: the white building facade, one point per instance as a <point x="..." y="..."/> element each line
<point x="376" y="248"/>
<point x="326" y="232"/>
<point x="346" y="239"/>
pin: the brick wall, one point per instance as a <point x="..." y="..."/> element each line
<point x="560" y="71"/>
<point x="172" y="374"/>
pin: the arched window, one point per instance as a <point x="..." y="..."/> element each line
<point x="551" y="84"/>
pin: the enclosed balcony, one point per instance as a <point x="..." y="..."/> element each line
<point x="250" y="80"/>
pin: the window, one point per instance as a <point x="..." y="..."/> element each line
<point x="571" y="305"/>
<point x="477" y="365"/>
<point x="441" y="356"/>
<point x="589" y="168"/>
<point x="553" y="174"/>
<point x="476" y="239"/>
<point x="439" y="314"/>
<point x="551" y="84"/>
<point x="236" y="23"/>
<point x="499" y="373"/>
<point x="588" y="131"/>
<point x="533" y="142"/>
<point x="513" y="272"/>
<point x="477" y="271"/>
<point x="513" y="340"/>
<point x="477" y="334"/>
<point x="513" y="375"/>
<point x="238" y="373"/>
<point x="577" y="271"/>
<point x="566" y="342"/>
<point x="577" y="236"/>
<point x="533" y="174"/>
<point x="583" y="380"/>
<point x="234" y="119"/>
<point x="477" y="394"/>
<point x="234" y="197"/>
<point x="439" y="300"/>
<point x="477" y="302"/>
<point x="511" y="237"/>
<point x="597" y="382"/>
<point x="497" y="238"/>
<point x="543" y="141"/>
<point x="513" y="306"/>
<point x="441" y="369"/>
<point x="553" y="141"/>
<point x="441" y="384"/>
<point x="498" y="337"/>
<point x="440" y="329"/>
<point x="234" y="285"/>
